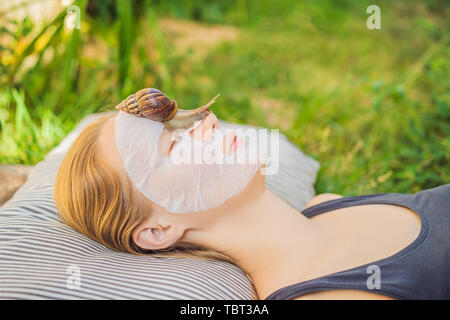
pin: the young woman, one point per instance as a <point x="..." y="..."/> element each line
<point x="380" y="246"/>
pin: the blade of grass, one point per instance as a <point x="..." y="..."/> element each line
<point x="160" y="47"/>
<point x="71" y="57"/>
<point x="124" y="11"/>
<point x="30" y="47"/>
<point x="49" y="43"/>
<point x="23" y="122"/>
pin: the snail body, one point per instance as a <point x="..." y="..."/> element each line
<point x="153" y="104"/>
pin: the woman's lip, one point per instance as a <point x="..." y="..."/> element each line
<point x="232" y="142"/>
<point x="239" y="143"/>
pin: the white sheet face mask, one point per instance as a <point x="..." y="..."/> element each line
<point x="195" y="176"/>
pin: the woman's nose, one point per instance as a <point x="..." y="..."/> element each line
<point x="205" y="130"/>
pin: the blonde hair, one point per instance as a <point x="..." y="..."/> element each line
<point x="92" y="199"/>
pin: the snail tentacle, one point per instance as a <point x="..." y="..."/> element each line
<point x="155" y="105"/>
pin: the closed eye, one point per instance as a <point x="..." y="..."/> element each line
<point x="172" y="144"/>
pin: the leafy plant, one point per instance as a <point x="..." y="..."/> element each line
<point x="372" y="106"/>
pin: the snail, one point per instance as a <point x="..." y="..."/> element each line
<point x="155" y="105"/>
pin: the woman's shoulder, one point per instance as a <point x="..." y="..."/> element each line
<point x="343" y="294"/>
<point x="322" y="198"/>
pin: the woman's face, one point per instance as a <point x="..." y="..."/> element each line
<point x="166" y="142"/>
<point x="183" y="172"/>
<point x="163" y="228"/>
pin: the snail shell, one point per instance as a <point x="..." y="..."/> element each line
<point x="149" y="103"/>
<point x="155" y="105"/>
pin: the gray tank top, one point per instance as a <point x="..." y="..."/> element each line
<point x="419" y="271"/>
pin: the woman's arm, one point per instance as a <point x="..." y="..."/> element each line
<point x="322" y="198"/>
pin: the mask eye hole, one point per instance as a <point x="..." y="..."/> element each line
<point x="173" y="143"/>
<point x="167" y="141"/>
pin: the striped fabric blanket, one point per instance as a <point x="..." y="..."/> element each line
<point x="42" y="258"/>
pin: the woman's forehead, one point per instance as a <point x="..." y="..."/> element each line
<point x="108" y="147"/>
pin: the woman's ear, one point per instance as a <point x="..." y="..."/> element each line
<point x="154" y="235"/>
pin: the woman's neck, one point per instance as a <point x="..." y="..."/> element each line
<point x="274" y="243"/>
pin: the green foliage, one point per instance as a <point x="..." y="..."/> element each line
<point x="371" y="105"/>
<point x="22" y="138"/>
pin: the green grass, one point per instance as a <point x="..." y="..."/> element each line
<point x="372" y="106"/>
